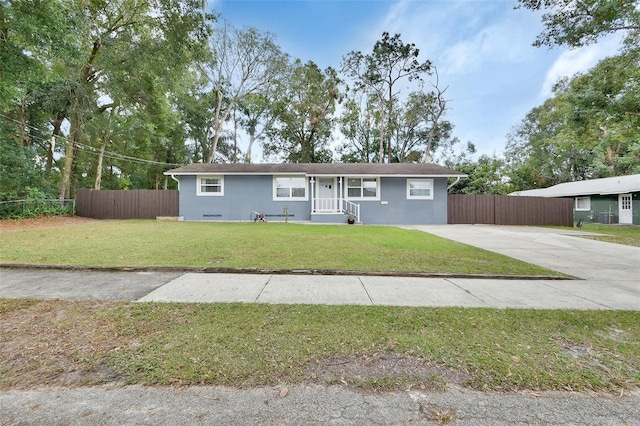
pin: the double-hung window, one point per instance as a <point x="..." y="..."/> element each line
<point x="289" y="188"/>
<point x="420" y="189"/>
<point x="210" y="185"/>
<point x="583" y="203"/>
<point x="363" y="188"/>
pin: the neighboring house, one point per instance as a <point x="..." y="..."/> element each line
<point x="397" y="193"/>
<point x="608" y="200"/>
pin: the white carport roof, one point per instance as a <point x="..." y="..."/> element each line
<point x="604" y="186"/>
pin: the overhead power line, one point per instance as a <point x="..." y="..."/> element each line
<point x="93" y="150"/>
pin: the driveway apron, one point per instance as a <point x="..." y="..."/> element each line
<point x="558" y="250"/>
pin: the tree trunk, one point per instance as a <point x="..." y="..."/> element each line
<point x="57" y="131"/>
<point x="381" y="147"/>
<point x="442" y="107"/>
<point x="218" y="127"/>
<point x="65" y="190"/>
<point x="107" y="133"/>
<point x="73" y="183"/>
<point x="252" y="139"/>
<point x="68" y="160"/>
<point x="24" y="139"/>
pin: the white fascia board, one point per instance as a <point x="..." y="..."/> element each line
<point x="377" y="175"/>
<point x="236" y="174"/>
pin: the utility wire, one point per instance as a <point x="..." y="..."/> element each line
<point x="93" y="150"/>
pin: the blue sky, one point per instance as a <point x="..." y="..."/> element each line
<point x="482" y="49"/>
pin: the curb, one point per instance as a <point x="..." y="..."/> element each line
<point x="259" y="271"/>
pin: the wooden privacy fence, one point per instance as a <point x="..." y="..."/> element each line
<point x="136" y="204"/>
<point x="505" y="210"/>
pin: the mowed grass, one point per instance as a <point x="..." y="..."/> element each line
<point x="63" y="342"/>
<point x="149" y="243"/>
<point x="619" y="234"/>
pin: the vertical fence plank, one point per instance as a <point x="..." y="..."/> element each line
<point x="135" y="204"/>
<point x="505" y="210"/>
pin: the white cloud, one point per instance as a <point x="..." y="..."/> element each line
<point x="575" y="61"/>
<point x="461" y="37"/>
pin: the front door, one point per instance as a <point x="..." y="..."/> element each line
<point x="624" y="207"/>
<point x="326" y="201"/>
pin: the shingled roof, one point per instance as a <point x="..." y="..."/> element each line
<point x="319" y="169"/>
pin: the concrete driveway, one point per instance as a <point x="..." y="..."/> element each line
<point x="559" y="250"/>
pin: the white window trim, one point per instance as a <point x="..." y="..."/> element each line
<point x="275" y="188"/>
<point x="419" y="197"/>
<point x="346" y="189"/>
<point x="588" y="208"/>
<point x="199" y="192"/>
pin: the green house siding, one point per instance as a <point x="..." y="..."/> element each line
<point x="605" y="207"/>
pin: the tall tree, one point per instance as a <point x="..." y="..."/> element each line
<point x="196" y="104"/>
<point x="303" y="115"/>
<point x="578" y="23"/>
<point x="29" y="32"/>
<point x="123" y="48"/>
<point x="358" y="124"/>
<point x="255" y="117"/>
<point x="419" y="128"/>
<point x="487" y="175"/>
<point x="379" y="72"/>
<point x="245" y="62"/>
<point x="605" y="114"/>
<point x="589" y="129"/>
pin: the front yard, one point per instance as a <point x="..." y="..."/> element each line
<point x="66" y="343"/>
<point x="149" y="243"/>
<point x="76" y="343"/>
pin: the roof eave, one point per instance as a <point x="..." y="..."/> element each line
<point x="428" y="175"/>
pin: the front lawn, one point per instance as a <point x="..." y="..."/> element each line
<point x="71" y="343"/>
<point x="148" y="243"/>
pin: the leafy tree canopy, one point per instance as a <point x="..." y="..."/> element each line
<point x="578" y="23"/>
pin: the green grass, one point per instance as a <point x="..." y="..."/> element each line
<point x="249" y="345"/>
<point x="619" y="234"/>
<point x="145" y="243"/>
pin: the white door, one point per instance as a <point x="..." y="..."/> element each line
<point x="624" y="207"/>
<point x="326" y="195"/>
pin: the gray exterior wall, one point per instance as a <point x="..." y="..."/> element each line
<point x="246" y="193"/>
<point x="242" y="195"/>
<point x="399" y="210"/>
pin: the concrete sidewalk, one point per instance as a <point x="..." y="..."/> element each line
<point x="320" y="289"/>
<point x="398" y="291"/>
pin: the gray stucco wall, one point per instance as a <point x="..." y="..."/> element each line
<point x="244" y="194"/>
<point x="399" y="210"/>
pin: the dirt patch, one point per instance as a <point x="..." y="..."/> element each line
<point x="7" y="225"/>
<point x="386" y="371"/>
<point x="57" y="343"/>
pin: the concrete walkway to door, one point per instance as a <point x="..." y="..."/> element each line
<point x="559" y="250"/>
